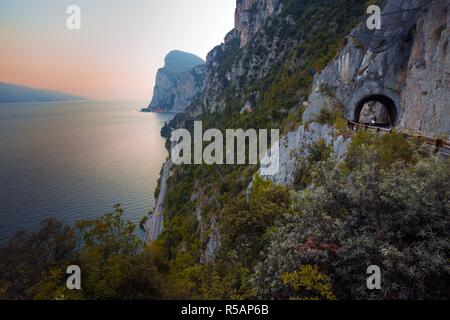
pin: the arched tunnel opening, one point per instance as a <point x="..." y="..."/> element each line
<point x="378" y="111"/>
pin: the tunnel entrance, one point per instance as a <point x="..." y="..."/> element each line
<point x="378" y="111"/>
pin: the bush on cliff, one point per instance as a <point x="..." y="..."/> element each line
<point x="396" y="217"/>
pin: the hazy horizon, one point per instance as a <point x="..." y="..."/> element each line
<point x="117" y="52"/>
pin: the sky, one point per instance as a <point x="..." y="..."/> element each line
<point x="118" y="50"/>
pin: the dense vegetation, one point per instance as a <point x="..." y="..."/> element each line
<point x="113" y="261"/>
<point x="386" y="203"/>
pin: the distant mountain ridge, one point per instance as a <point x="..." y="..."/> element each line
<point x="11" y="93"/>
<point x="178" y="83"/>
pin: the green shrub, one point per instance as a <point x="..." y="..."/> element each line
<point x="396" y="218"/>
<point x="319" y="151"/>
<point x="388" y="148"/>
<point x="333" y="118"/>
<point x="309" y="284"/>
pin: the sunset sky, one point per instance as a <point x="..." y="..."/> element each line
<point x="118" y="50"/>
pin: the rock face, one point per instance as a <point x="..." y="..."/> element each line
<point x="412" y="78"/>
<point x="425" y="98"/>
<point x="251" y="16"/>
<point x="297" y="144"/>
<point x="246" y="56"/>
<point x="178" y="83"/>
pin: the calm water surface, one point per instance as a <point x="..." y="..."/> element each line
<point x="75" y="160"/>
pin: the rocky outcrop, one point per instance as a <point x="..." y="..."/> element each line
<point x="425" y="99"/>
<point x="297" y="144"/>
<point x="411" y="79"/>
<point x="246" y="56"/>
<point x="212" y="245"/>
<point x="251" y="16"/>
<point x="178" y="84"/>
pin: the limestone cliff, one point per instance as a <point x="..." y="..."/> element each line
<point x="412" y="78"/>
<point x="178" y="83"/>
<point x="247" y="55"/>
<point x="425" y="98"/>
<point x="279" y="67"/>
<point x="251" y="16"/>
<point x="414" y="74"/>
<point x="270" y="44"/>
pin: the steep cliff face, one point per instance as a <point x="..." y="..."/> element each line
<point x="425" y="99"/>
<point x="178" y="83"/>
<point x="411" y="78"/>
<point x="259" y="77"/>
<point x="296" y="146"/>
<point x="414" y="73"/>
<point x="251" y="16"/>
<point x="283" y="64"/>
<point x="264" y="34"/>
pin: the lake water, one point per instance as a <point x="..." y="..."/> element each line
<point x="75" y="160"/>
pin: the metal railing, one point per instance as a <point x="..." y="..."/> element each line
<point x="440" y="145"/>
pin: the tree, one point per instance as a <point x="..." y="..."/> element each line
<point x="309" y="284"/>
<point x="396" y="217"/>
<point x="29" y="257"/>
<point x="113" y="262"/>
